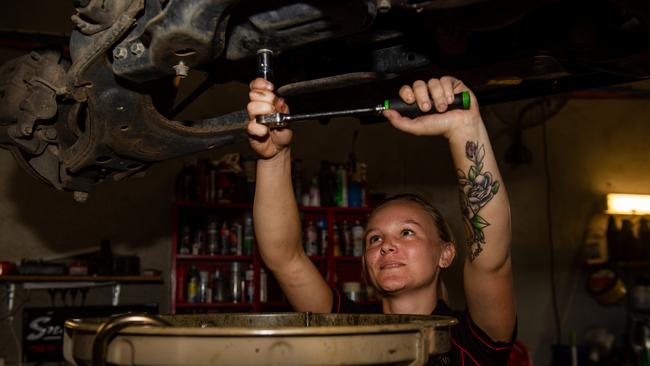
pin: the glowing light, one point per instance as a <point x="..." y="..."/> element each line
<point x="628" y="204"/>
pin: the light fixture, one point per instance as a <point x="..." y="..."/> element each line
<point x="628" y="204"/>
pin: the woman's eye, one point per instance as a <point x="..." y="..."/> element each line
<point x="407" y="232"/>
<point x="373" y="239"/>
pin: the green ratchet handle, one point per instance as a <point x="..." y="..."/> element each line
<point x="461" y="101"/>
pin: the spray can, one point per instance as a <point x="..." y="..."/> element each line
<point x="212" y="237"/>
<point x="250" y="285"/>
<point x="235" y="282"/>
<point x="248" y="235"/>
<point x="205" y="294"/>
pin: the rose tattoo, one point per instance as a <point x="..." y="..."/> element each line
<point x="476" y="189"/>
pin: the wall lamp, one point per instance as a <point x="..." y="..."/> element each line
<point x="628" y="204"/>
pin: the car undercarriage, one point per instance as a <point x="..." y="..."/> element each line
<point x="102" y="107"/>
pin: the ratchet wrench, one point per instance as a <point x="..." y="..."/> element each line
<point x="280" y="120"/>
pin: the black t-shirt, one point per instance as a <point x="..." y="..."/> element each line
<point x="470" y="346"/>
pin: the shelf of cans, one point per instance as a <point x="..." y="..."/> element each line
<point x="215" y="266"/>
<point x="225" y="285"/>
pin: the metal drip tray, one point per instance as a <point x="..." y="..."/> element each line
<point x="257" y="339"/>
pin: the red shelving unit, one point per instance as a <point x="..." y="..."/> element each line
<point x="336" y="269"/>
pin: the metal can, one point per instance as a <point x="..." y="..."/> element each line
<point x="218" y="287"/>
<point x="250" y="285"/>
<point x="212" y="236"/>
<point x="236" y="280"/>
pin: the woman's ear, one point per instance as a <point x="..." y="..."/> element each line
<point x="447" y="256"/>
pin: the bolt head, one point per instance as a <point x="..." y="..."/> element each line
<point x="137" y="48"/>
<point x="181" y="69"/>
<point x="119" y="53"/>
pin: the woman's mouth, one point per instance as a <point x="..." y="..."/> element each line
<point x="390" y="265"/>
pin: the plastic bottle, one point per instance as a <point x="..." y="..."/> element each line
<point x="357" y="239"/>
<point x="341" y="186"/>
<point x="193" y="281"/>
<point x="311" y="238"/>
<point x="322" y="236"/>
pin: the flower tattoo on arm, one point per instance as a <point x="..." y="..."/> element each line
<point x="476" y="189"/>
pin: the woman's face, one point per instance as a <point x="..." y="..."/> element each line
<point x="403" y="248"/>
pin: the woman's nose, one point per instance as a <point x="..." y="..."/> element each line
<point x="387" y="247"/>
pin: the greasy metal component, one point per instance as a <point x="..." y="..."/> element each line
<point x="299" y="23"/>
<point x="330" y="83"/>
<point x="110" y="115"/>
<point x="29" y="86"/>
<point x="86" y="50"/>
<point x="267" y="339"/>
<point x="107" y="331"/>
<point x="94" y="16"/>
<point x="191" y="31"/>
<point x="112" y="131"/>
<point x="383" y="6"/>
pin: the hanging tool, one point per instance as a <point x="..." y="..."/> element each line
<point x="279" y="120"/>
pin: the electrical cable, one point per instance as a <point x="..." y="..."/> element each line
<point x="547" y="172"/>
